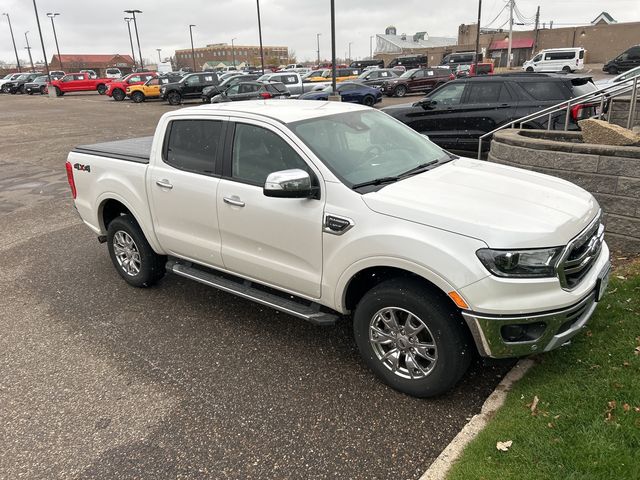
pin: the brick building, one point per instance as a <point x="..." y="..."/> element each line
<point x="223" y="52"/>
<point x="99" y="63"/>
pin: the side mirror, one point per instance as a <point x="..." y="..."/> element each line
<point x="294" y="183"/>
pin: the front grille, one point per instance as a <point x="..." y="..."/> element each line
<point x="581" y="254"/>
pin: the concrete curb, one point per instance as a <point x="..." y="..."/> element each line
<point x="439" y="469"/>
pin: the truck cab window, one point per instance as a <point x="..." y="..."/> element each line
<point x="257" y="152"/>
<point x="193" y="145"/>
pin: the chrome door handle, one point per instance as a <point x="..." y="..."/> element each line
<point x="235" y="201"/>
<point x="164" y="184"/>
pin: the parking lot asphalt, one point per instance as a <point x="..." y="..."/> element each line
<point x="102" y="380"/>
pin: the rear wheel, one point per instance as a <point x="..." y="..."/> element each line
<point x="59" y="92"/>
<point x="566" y="69"/>
<point x="612" y="70"/>
<point x="411" y="338"/>
<point x="400" y="91"/>
<point x="137" y="97"/>
<point x="131" y="254"/>
<point x="369" y="101"/>
<point x="118" y="95"/>
<point x="174" y="98"/>
<point x="102" y="89"/>
<point x="43" y="90"/>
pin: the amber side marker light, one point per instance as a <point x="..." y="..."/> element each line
<point x="457" y="299"/>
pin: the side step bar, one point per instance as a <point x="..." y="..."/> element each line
<point x="245" y="289"/>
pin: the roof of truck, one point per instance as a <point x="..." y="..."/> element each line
<point x="285" y="111"/>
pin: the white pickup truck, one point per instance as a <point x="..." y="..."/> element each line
<point x="324" y="209"/>
<point x="294" y="83"/>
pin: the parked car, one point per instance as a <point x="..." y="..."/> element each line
<point x="252" y="91"/>
<point x="556" y="60"/>
<point x="452" y="60"/>
<point x="7" y="79"/>
<point x="341" y="210"/>
<point x="626" y="77"/>
<point x="92" y="74"/>
<point x="211" y="91"/>
<point x="150" y="89"/>
<point x="56" y="74"/>
<point x="117" y="89"/>
<point x="79" y="82"/>
<point x="409" y="62"/>
<point x="627" y="60"/>
<point x="292" y="80"/>
<point x="313" y="73"/>
<point x="342" y="74"/>
<point x="113" y="73"/>
<point x="226" y="75"/>
<point x="189" y="86"/>
<point x="363" y="64"/>
<point x="469" y="70"/>
<point x="37" y="85"/>
<point x="17" y="85"/>
<point x="455" y="115"/>
<point x="377" y="77"/>
<point x="351" y="92"/>
<point x="417" y="80"/>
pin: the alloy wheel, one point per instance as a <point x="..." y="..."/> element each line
<point x="127" y="253"/>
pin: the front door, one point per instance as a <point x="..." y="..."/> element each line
<point x="276" y="241"/>
<point x="183" y="188"/>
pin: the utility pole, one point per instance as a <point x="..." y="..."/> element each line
<point x="350" y="51"/>
<point x="135" y="25"/>
<point x="475" y="61"/>
<point x="333" y="48"/>
<point x="260" y="35"/>
<point x="193" y="52"/>
<point x="233" y="51"/>
<point x="159" y="59"/>
<point x="53" y="25"/>
<point x="318" y="40"/>
<point x="133" y="55"/>
<point x="44" y="53"/>
<point x="371" y="47"/>
<point x="14" y="42"/>
<point x="29" y="50"/>
<point x="537" y="28"/>
<point x="510" y="33"/>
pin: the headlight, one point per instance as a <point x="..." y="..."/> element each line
<point x="533" y="263"/>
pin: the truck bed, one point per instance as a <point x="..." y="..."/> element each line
<point x="132" y="150"/>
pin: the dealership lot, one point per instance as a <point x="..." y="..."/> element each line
<point x="104" y="380"/>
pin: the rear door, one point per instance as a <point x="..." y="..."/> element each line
<point x="418" y="81"/>
<point x="192" y="86"/>
<point x="183" y="185"/>
<point x="538" y="94"/>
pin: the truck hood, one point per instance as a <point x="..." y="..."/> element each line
<point x="503" y="206"/>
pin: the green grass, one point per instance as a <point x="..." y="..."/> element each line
<point x="577" y="432"/>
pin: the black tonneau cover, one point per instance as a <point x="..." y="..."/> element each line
<point x="132" y="150"/>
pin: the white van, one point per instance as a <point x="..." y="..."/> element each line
<point x="556" y="60"/>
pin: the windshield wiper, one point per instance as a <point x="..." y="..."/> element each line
<point x="418" y="169"/>
<point x="376" y="181"/>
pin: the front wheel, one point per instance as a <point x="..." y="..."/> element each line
<point x="566" y="69"/>
<point x="131" y="254"/>
<point x="530" y="69"/>
<point x="43" y="90"/>
<point x="137" y="97"/>
<point x="369" y="101"/>
<point x="612" y="70"/>
<point x="411" y="338"/>
<point x="118" y="95"/>
<point x="400" y="91"/>
<point x="102" y="89"/>
<point x="174" y="98"/>
<point x="59" y="92"/>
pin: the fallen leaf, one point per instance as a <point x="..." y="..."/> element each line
<point x="626" y="364"/>
<point x="550" y="425"/>
<point x="620" y="277"/>
<point x="589" y="334"/>
<point x="626" y="407"/>
<point x="612" y="404"/>
<point x="556" y="417"/>
<point x="534" y="405"/>
<point x="636" y="351"/>
<point x="636" y="409"/>
<point x="504" y="446"/>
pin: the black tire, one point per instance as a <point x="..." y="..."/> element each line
<point x="5" y="89"/>
<point x="118" y="95"/>
<point x="612" y="70"/>
<point x="369" y="101"/>
<point x="59" y="93"/>
<point x="30" y="92"/>
<point x="102" y="89"/>
<point x="151" y="265"/>
<point x="400" y="91"/>
<point x="174" y="98"/>
<point x="137" y="97"/>
<point x="566" y="69"/>
<point x="21" y="90"/>
<point x="530" y="69"/>
<point x="445" y="328"/>
<point x="43" y="90"/>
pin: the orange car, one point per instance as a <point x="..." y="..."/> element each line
<point x="150" y="89"/>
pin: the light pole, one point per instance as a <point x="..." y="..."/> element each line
<point x="135" y="25"/>
<point x="475" y="61"/>
<point x="133" y="55"/>
<point x="55" y="37"/>
<point x="159" y="59"/>
<point x="260" y="35"/>
<point x="193" y="52"/>
<point x="14" y="42"/>
<point x="350" y="51"/>
<point x="233" y="52"/>
<point x="371" y="47"/>
<point x="333" y="48"/>
<point x="29" y="50"/>
<point x="44" y="53"/>
<point x="318" y="39"/>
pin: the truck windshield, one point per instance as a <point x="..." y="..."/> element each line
<point x="366" y="145"/>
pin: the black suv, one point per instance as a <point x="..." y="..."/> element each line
<point x="209" y="92"/>
<point x="17" y="86"/>
<point x="190" y="86"/>
<point x="456" y="114"/>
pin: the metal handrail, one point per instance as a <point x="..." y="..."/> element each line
<point x="608" y="92"/>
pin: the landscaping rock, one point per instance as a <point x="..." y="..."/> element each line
<point x="604" y="133"/>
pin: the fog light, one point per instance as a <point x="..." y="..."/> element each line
<point x="523" y="332"/>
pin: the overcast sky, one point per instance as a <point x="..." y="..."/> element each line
<point x="98" y="26"/>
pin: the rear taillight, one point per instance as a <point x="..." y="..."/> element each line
<point x="266" y="95"/>
<point x="583" y="111"/>
<point x="70" y="179"/>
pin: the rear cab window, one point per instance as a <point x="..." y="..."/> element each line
<point x="544" y="91"/>
<point x="193" y="145"/>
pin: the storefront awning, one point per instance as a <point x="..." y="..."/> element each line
<point x="515" y="43"/>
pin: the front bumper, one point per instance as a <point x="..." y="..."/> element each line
<point x="505" y="336"/>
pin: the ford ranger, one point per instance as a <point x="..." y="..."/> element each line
<point x="325" y="209"/>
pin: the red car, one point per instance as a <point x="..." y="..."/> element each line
<point x="79" y="82"/>
<point x="118" y="87"/>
